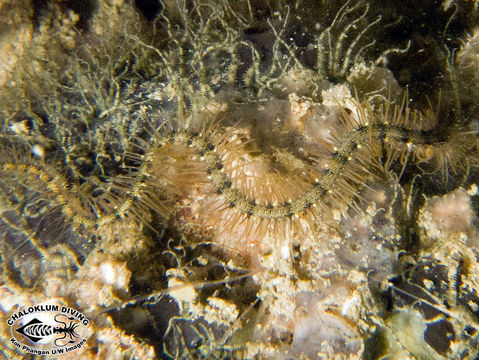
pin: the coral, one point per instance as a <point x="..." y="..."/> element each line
<point x="241" y="180"/>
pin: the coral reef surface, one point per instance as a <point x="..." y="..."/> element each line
<point x="207" y="179"/>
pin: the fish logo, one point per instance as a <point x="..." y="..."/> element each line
<point x="48" y="329"/>
<point x="36" y="330"/>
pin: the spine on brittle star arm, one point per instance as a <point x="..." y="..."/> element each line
<point x="53" y="187"/>
<point x="343" y="154"/>
<point x="60" y="194"/>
